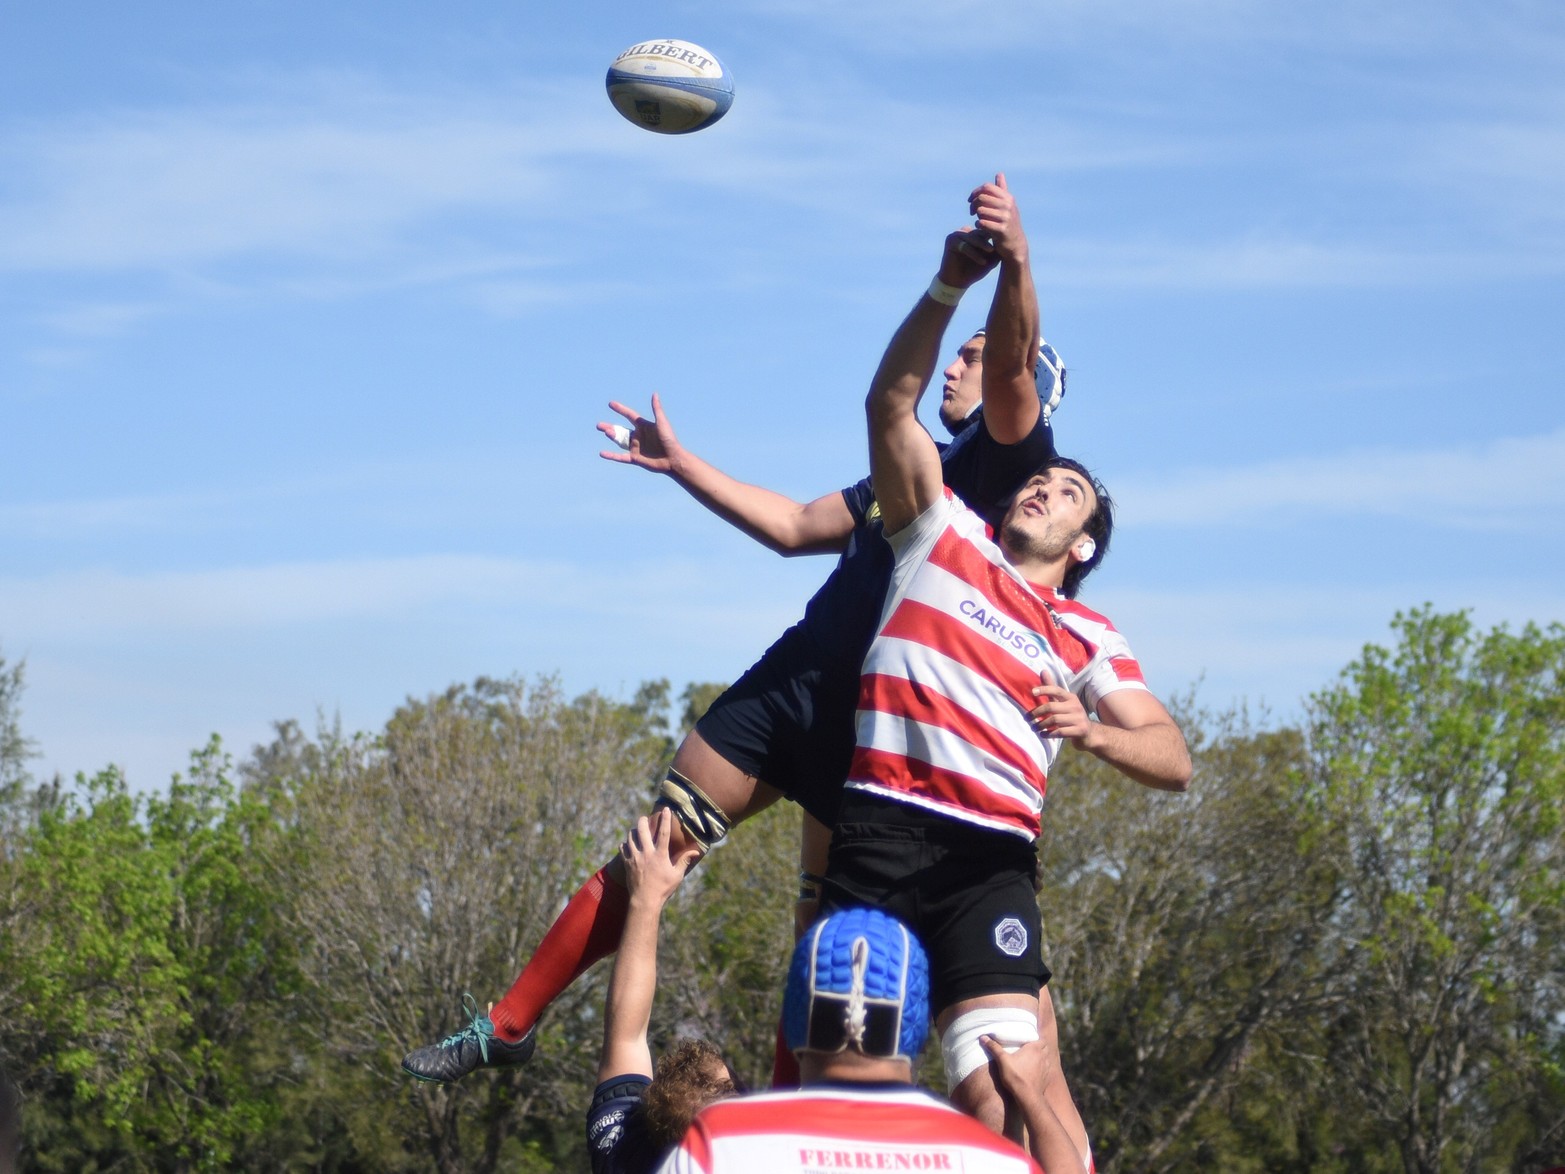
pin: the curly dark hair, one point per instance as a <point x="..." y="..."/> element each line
<point x="686" y="1082"/>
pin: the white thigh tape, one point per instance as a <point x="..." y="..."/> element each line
<point x="964" y="1055"/>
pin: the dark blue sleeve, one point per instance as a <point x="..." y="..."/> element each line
<point x="859" y="497"/>
<point x="986" y="474"/>
<point x="612" y="1143"/>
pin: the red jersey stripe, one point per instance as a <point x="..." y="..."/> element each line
<point x="963" y="642"/>
<point x="921" y="704"/>
<point x="1000" y="588"/>
<point x="962" y="796"/>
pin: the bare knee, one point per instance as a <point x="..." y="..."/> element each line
<point x="977" y="1097"/>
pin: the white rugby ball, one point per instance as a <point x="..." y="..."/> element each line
<point x="671" y="87"/>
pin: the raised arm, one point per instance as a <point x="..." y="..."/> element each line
<point x="1010" y="387"/>
<point x="904" y="464"/>
<point x="652" y="878"/>
<point x="777" y="522"/>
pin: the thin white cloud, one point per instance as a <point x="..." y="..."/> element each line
<point x="95" y="604"/>
<point x="1522" y="481"/>
<point x="1512" y="170"/>
<point x="346" y="177"/>
<point x="177" y="190"/>
<point x="1276" y="644"/>
<point x="109" y="601"/>
<point x="1175" y="27"/>
<point x="1277" y="262"/>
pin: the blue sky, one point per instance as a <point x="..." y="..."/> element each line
<point x="307" y="313"/>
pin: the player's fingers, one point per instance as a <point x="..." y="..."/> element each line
<point x="617" y="433"/>
<point x="628" y="412"/>
<point x="619" y="458"/>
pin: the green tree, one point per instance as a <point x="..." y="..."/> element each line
<point x="1442" y="762"/>
<point x="15" y="750"/>
<point x="1190" y="938"/>
<point x="146" y="939"/>
<point x="727" y="939"/>
<point x="428" y="862"/>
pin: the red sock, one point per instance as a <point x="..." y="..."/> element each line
<point x="785" y="1065"/>
<point x="589" y="928"/>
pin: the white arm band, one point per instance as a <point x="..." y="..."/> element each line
<point x="946" y="295"/>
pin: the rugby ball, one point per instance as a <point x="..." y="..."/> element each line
<point x="671" y="87"/>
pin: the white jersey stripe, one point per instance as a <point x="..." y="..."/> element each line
<point x="969" y="639"/>
<point x="968" y="689"/>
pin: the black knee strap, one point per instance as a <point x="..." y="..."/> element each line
<point x="700" y="817"/>
<point x="810" y="886"/>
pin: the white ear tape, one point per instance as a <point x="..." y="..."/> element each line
<point x="1086" y="550"/>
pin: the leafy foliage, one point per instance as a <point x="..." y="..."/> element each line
<point x="1442" y="762"/>
<point x="1340" y="952"/>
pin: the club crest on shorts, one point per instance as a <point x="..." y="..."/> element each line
<point x="1010" y="937"/>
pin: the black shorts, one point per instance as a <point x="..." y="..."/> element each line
<point x="967" y="892"/>
<point x="789" y="722"/>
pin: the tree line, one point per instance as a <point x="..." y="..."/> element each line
<point x="1342" y="951"/>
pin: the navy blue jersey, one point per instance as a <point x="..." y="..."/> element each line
<point x="789" y="719"/>
<point x="841" y="617"/>
<point x="616" y="1128"/>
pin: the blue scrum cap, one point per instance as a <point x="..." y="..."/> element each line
<point x="1051" y="378"/>
<point x="1049" y="373"/>
<point x="859" y="979"/>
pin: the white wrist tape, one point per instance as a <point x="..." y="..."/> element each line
<point x="946" y="295"/>
<point x="959" y="1046"/>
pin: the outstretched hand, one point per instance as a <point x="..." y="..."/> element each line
<point x="995" y="210"/>
<point x="650" y="870"/>
<point x="651" y="443"/>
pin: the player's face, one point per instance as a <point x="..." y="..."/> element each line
<point x="963" y="384"/>
<point x="1046" y="516"/>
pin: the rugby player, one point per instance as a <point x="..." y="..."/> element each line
<point x="637" y="1117"/>
<point x="856" y="1012"/>
<point x="982" y="667"/>
<point x="786" y="726"/>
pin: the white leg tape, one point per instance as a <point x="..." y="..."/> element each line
<point x="964" y="1055"/>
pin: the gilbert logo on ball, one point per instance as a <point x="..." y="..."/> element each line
<point x="671" y="87"/>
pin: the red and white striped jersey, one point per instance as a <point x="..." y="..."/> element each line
<point x="946" y="690"/>
<point x="834" y="1129"/>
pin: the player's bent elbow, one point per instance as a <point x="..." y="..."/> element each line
<point x="794" y="541"/>
<point x="1178" y="778"/>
